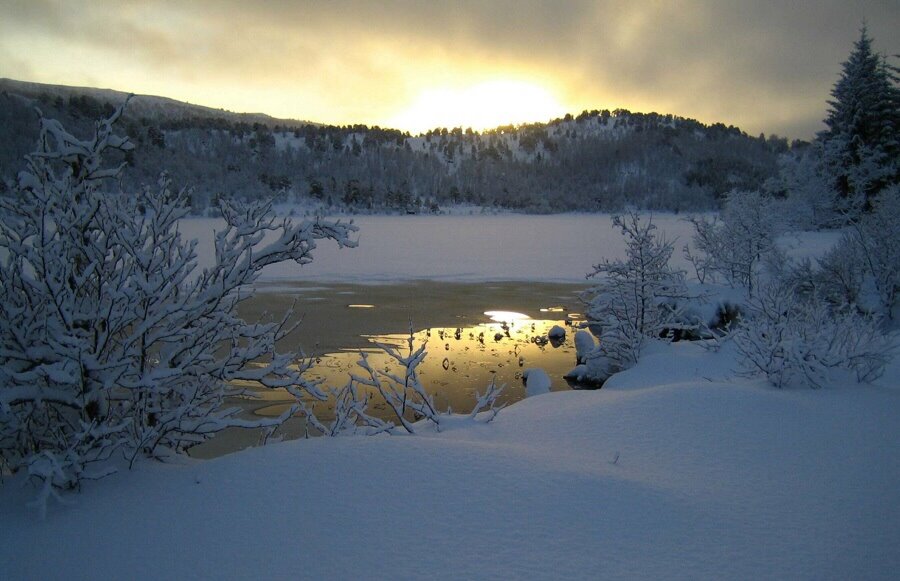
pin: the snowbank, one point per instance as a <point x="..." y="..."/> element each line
<point x="671" y="470"/>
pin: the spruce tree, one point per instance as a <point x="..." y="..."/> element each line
<point x="861" y="145"/>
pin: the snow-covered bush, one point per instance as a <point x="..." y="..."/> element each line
<point x="404" y="393"/>
<point x="875" y="238"/>
<point x="110" y="340"/>
<point x="638" y="297"/>
<point x="736" y="244"/>
<point x="351" y="415"/>
<point x="796" y="339"/>
<point x="840" y="275"/>
<point x="862" y="271"/>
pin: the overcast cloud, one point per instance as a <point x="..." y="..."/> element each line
<point x="765" y="66"/>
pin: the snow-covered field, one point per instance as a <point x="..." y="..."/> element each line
<point x="675" y="469"/>
<point x="670" y="471"/>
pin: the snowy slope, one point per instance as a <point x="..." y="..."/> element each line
<point x="671" y="471"/>
<point x="146" y="106"/>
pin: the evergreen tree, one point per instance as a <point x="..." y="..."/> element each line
<point x="861" y="145"/>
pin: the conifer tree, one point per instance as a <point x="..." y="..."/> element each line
<point x="861" y="145"/>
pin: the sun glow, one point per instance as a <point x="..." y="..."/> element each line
<point x="482" y="106"/>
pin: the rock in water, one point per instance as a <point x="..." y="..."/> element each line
<point x="557" y="333"/>
<point x="536" y="382"/>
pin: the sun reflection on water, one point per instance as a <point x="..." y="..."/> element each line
<point x="459" y="361"/>
<point x="505" y="316"/>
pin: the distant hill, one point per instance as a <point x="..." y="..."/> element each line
<point x="157" y="109"/>
<point x="598" y="160"/>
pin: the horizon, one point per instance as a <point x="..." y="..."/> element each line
<point x="484" y="130"/>
<point x="415" y="66"/>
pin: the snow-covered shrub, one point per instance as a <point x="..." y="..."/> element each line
<point x="875" y="237"/>
<point x="862" y="271"/>
<point x="796" y="339"/>
<point x="351" y="415"/>
<point x="404" y="393"/>
<point x="840" y="275"/>
<point x="110" y="340"/>
<point x="736" y="244"/>
<point x="638" y="297"/>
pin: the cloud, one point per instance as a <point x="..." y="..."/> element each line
<point x="765" y="66"/>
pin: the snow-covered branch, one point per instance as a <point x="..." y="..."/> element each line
<point x="109" y="338"/>
<point x="638" y="297"/>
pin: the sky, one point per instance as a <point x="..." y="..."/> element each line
<point x="765" y="66"/>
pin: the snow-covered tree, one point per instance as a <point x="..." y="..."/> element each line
<point x="808" y="200"/>
<point x="862" y="142"/>
<point x="737" y="243"/>
<point x="111" y="339"/>
<point x="638" y="297"/>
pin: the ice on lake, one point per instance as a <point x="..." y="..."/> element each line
<point x="509" y="247"/>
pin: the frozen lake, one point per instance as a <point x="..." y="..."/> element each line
<point x="468" y="344"/>
<point x="511" y="247"/>
<point x="442" y="273"/>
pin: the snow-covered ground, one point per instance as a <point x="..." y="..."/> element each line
<point x="673" y="470"/>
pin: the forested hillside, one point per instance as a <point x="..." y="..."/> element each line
<point x="599" y="160"/>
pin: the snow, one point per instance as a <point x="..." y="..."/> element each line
<point x="673" y="470"/>
<point x="479" y="248"/>
<point x="537" y="382"/>
<point x="584" y="344"/>
<point x="510" y="247"/>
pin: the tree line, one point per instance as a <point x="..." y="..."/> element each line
<point x="595" y="161"/>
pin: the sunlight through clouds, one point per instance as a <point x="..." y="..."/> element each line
<point x="417" y="64"/>
<point x="482" y="106"/>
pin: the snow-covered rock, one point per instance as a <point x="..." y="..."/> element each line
<point x="536" y="382"/>
<point x="584" y="344"/>
<point x="594" y="372"/>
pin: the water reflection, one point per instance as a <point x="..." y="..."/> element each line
<point x="506" y="316"/>
<point x="460" y="361"/>
<point x="475" y="346"/>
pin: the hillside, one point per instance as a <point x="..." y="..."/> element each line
<point x="599" y="160"/>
